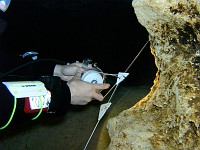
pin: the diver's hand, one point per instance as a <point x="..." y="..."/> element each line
<point x="67" y="72"/>
<point x="84" y="92"/>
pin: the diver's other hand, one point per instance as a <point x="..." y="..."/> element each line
<point x="83" y="92"/>
<point x="67" y="72"/>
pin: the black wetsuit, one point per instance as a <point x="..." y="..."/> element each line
<point x="41" y="71"/>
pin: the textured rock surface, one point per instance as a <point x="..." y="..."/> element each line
<point x="168" y="117"/>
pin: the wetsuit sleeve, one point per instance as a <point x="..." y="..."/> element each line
<point x="6" y="104"/>
<point x="60" y="94"/>
<point x="60" y="101"/>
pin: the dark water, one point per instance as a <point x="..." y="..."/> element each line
<point x="105" y="31"/>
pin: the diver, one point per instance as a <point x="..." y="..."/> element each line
<point x="50" y="90"/>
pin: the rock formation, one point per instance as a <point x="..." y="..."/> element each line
<point x="169" y="116"/>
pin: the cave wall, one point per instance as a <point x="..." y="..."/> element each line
<point x="168" y="117"/>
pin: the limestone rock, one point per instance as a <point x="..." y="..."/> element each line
<point x="169" y="116"/>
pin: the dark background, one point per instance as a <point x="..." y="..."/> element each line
<point x="106" y="31"/>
